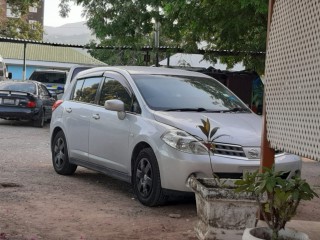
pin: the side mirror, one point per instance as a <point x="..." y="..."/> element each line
<point x="117" y="106"/>
<point x="10" y="75"/>
<point x="53" y="95"/>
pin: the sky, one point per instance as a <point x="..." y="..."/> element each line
<point x="52" y="18"/>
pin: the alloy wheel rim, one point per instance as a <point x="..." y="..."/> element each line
<point x="144" y="177"/>
<point x="59" y="153"/>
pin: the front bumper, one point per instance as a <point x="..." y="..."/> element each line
<point x="176" y="167"/>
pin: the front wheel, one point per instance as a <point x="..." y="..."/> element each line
<point x="60" y="158"/>
<point x="146" y="179"/>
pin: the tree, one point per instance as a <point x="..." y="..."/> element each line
<point x="237" y="25"/>
<point x="19" y="27"/>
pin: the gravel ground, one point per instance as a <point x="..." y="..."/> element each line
<point x="36" y="203"/>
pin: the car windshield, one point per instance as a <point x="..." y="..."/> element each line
<point x="21" y="87"/>
<point x="187" y="93"/>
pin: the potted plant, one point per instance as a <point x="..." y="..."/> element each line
<point x="282" y="197"/>
<point x="219" y="207"/>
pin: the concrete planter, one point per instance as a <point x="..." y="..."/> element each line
<point x="220" y="209"/>
<point x="264" y="233"/>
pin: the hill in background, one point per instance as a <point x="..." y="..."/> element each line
<point x="71" y="33"/>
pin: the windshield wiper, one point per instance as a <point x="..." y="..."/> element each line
<point x="191" y="110"/>
<point x="236" y="109"/>
<point x="185" y="110"/>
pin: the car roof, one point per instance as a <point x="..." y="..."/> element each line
<point x="50" y="71"/>
<point x="141" y="70"/>
<point x="19" y="81"/>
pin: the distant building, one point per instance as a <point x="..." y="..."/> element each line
<point x="42" y="57"/>
<point x="35" y="14"/>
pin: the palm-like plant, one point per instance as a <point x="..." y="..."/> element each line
<point x="282" y="196"/>
<point x="209" y="142"/>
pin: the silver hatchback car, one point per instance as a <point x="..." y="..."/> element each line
<point x="139" y="124"/>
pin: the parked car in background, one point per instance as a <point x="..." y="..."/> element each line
<point x="139" y="124"/>
<point x="4" y="74"/>
<point x="53" y="79"/>
<point x="25" y="100"/>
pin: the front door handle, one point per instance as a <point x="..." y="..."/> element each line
<point x="68" y="110"/>
<point x="96" y="116"/>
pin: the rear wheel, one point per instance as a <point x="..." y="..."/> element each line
<point x="146" y="179"/>
<point x="39" y="122"/>
<point x="60" y="158"/>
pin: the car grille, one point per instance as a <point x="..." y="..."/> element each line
<point x="240" y="175"/>
<point x="230" y="150"/>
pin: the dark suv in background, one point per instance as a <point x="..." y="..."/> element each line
<point x="54" y="80"/>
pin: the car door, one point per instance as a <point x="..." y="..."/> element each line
<point x="77" y="115"/>
<point x="47" y="101"/>
<point x="109" y="136"/>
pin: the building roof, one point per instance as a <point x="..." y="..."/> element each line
<point x="185" y="60"/>
<point x="144" y="48"/>
<point x="46" y="53"/>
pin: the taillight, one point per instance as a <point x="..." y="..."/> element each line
<point x="56" y="104"/>
<point x="31" y="104"/>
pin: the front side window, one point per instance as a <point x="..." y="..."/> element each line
<point x="186" y="93"/>
<point x="113" y="89"/>
<point x="86" y="90"/>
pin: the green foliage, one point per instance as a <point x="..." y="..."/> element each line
<point x="222" y="24"/>
<point x="209" y="133"/>
<point x="282" y="195"/>
<point x="121" y="57"/>
<point x="19" y="27"/>
<point x="22" y="7"/>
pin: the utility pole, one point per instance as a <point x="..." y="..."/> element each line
<point x="157" y="35"/>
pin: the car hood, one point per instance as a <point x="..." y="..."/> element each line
<point x="238" y="128"/>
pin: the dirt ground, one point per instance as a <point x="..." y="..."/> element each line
<point x="36" y="203"/>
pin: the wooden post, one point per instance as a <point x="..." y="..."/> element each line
<point x="267" y="153"/>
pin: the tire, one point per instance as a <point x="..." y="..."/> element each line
<point x="146" y="179"/>
<point x="60" y="158"/>
<point x="39" y="122"/>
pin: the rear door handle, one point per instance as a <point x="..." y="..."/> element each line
<point x="96" y="116"/>
<point x="68" y="110"/>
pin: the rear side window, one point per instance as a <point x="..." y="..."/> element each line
<point x="43" y="91"/>
<point x="86" y="90"/>
<point x="77" y="70"/>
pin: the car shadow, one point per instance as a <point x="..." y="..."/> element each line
<point x="124" y="188"/>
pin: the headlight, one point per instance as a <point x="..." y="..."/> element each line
<point x="184" y="142"/>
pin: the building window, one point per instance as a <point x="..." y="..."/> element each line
<point x="10" y="14"/>
<point x="32" y="22"/>
<point x="33" y="9"/>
